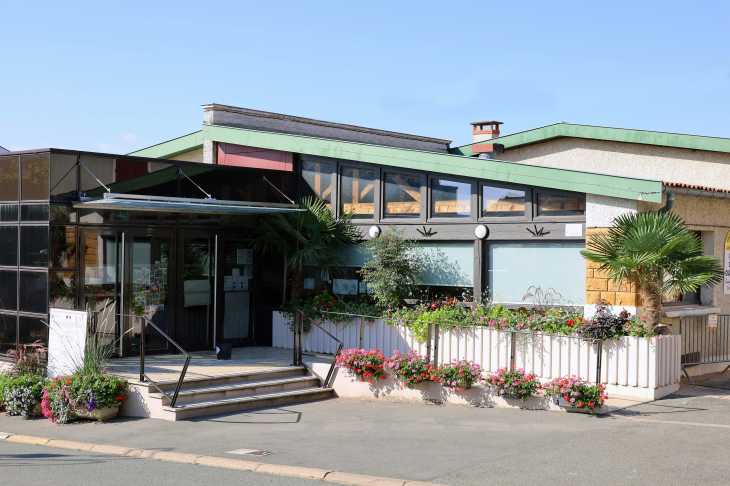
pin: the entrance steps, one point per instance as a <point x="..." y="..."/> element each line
<point x="202" y="395"/>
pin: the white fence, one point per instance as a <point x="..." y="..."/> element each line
<point x="643" y="367"/>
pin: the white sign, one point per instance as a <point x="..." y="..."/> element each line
<point x="66" y="341"/>
<point x="244" y="257"/>
<point x="344" y="286"/>
<point x="726" y="268"/>
<point x="712" y="321"/>
<point x="573" y="230"/>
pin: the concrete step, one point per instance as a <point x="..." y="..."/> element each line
<point x="226" y="405"/>
<point x="210" y="393"/>
<point x="236" y="377"/>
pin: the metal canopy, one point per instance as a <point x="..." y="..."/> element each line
<point x="132" y="202"/>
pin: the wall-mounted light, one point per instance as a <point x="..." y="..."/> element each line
<point x="481" y="232"/>
<point x="374" y="231"/>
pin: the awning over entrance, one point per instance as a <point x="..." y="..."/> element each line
<point x="132" y="202"/>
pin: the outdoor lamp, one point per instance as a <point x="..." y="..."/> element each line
<point x="481" y="231"/>
<point x="374" y="231"/>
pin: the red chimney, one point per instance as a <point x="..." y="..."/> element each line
<point x="480" y="134"/>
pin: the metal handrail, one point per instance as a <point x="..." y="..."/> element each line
<point x="298" y="331"/>
<point x="142" y="375"/>
<point x="434" y="336"/>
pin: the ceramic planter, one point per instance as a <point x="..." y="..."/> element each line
<point x="100" y="414"/>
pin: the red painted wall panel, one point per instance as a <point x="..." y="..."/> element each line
<point x="255" y="158"/>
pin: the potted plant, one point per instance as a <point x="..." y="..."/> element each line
<point x="409" y="369"/>
<point x="575" y="392"/>
<point x="96" y="396"/>
<point x="362" y="365"/>
<point x="513" y="383"/>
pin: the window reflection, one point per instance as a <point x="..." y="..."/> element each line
<point x="35" y="177"/>
<point x="8" y="290"/>
<point x="34" y="212"/>
<point x="498" y="202"/>
<point x="34" y="246"/>
<point x="553" y="205"/>
<point x="450" y="199"/>
<point x="63" y="247"/>
<point x="32" y="330"/>
<point x="318" y="176"/>
<point x="402" y="195"/>
<point x="358" y="192"/>
<point x="9" y="213"/>
<point x="8" y="332"/>
<point x="62" y="289"/>
<point x="34" y="292"/>
<point x="9" y="246"/>
<point x="9" y="172"/>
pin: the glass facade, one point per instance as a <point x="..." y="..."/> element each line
<point x="357" y="193"/>
<point x="498" y="202"/>
<point x="9" y="178"/>
<point x="35" y="177"/>
<point x="552" y="205"/>
<point x="401" y="195"/>
<point x="318" y="177"/>
<point x="514" y="268"/>
<point x="450" y="199"/>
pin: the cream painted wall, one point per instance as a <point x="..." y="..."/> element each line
<point x="667" y="164"/>
<point x="192" y="156"/>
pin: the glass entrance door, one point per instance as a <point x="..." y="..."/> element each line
<point x="195" y="324"/>
<point x="149" y="290"/>
<point x="236" y="294"/>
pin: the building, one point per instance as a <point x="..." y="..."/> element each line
<point x="498" y="216"/>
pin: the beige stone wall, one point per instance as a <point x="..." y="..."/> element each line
<point x="697" y="167"/>
<point x="599" y="287"/>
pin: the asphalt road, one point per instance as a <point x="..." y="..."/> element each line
<point x="452" y="445"/>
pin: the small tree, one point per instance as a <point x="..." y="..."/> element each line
<point x="394" y="267"/>
<point x="312" y="237"/>
<point x="656" y="252"/>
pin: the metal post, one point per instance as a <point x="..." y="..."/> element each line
<point x="599" y="357"/>
<point x="301" y="336"/>
<point x="428" y="343"/>
<point x="513" y="348"/>
<point x="294" y="342"/>
<point x="436" y="335"/>
<point x="362" y="333"/>
<point x="141" y="351"/>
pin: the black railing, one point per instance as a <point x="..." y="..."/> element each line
<point x="705" y="340"/>
<point x="142" y="376"/>
<point x="298" y="334"/>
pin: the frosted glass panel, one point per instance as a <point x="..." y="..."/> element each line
<point x="448" y="264"/>
<point x="514" y="268"/>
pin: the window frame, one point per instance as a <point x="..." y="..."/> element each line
<point x="376" y="191"/>
<point x="423" y="191"/>
<point x="529" y="209"/>
<point x="334" y="176"/>
<point x="557" y="192"/>
<point x="472" y="203"/>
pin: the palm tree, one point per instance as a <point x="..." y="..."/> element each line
<point x="656" y="252"/>
<point x="312" y="237"/>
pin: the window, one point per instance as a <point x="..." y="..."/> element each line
<point x="448" y="264"/>
<point x="498" y="202"/>
<point x="357" y="195"/>
<point x="63" y="214"/>
<point x="318" y="176"/>
<point x="34" y="246"/>
<point x="554" y="205"/>
<point x="515" y="267"/>
<point x="402" y="195"/>
<point x="8" y="290"/>
<point x="32" y="329"/>
<point x="9" y="246"/>
<point x="34" y="292"/>
<point x="35" y="177"/>
<point x="9" y="213"/>
<point x="63" y="177"/>
<point x="450" y="199"/>
<point x="9" y="172"/>
<point x="62" y="289"/>
<point x="8" y="332"/>
<point x="34" y="212"/>
<point x="63" y="247"/>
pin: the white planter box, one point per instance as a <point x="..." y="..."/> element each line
<point x="638" y="367"/>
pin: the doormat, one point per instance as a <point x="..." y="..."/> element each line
<point x="251" y="452"/>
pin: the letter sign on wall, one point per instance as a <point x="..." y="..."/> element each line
<point x="726" y="280"/>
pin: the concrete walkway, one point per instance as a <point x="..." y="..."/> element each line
<point x="682" y="439"/>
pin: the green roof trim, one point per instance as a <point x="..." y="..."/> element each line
<point x="171" y="148"/>
<point x="496" y="170"/>
<point x="558" y="130"/>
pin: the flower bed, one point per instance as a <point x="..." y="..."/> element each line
<point x="20" y="393"/>
<point x="362" y="365"/>
<point x="513" y="383"/>
<point x="458" y="376"/>
<point x="66" y="397"/>
<point x="409" y="369"/>
<point x="576" y="392"/>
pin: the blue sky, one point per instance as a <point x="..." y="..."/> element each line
<point x="118" y="76"/>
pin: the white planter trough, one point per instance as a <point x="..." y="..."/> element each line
<point x="634" y="367"/>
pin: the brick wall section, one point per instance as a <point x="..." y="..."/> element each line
<point x="598" y="286"/>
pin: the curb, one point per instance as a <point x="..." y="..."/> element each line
<point x="213" y="461"/>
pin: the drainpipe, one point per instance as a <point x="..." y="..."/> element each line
<point x="670" y="203"/>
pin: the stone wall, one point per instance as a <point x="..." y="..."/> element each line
<point x="599" y="287"/>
